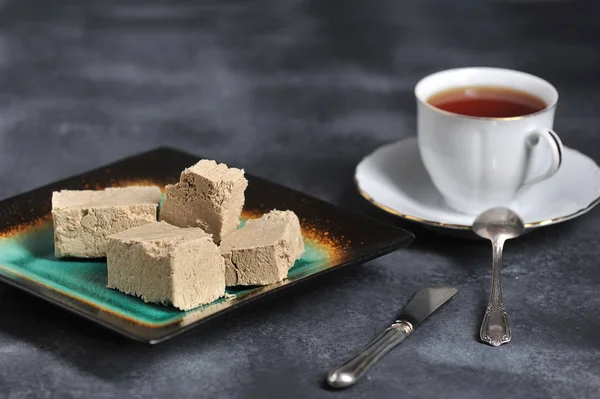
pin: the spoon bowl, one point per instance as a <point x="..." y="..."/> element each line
<point x="500" y="223"/>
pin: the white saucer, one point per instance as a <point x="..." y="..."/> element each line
<point x="394" y="179"/>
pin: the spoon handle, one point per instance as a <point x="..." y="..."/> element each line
<point x="494" y="328"/>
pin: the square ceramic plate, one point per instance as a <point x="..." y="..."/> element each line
<point x="334" y="238"/>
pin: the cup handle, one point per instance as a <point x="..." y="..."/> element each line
<point x="549" y="139"/>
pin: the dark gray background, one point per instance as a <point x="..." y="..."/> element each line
<point x="298" y="91"/>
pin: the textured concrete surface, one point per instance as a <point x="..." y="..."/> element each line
<point x="298" y="91"/>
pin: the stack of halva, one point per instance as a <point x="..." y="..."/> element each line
<point x="186" y="251"/>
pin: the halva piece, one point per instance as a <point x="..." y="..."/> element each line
<point x="263" y="250"/>
<point x="208" y="195"/>
<point x="166" y="264"/>
<point x="83" y="219"/>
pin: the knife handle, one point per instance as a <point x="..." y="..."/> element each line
<point x="351" y="371"/>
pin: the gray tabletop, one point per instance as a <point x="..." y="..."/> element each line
<point x="298" y="91"/>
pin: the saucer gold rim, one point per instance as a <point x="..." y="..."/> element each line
<point x="531" y="225"/>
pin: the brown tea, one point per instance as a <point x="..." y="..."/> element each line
<point x="487" y="101"/>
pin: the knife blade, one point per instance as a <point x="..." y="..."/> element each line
<point x="423" y="304"/>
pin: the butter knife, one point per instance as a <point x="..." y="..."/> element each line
<point x="424" y="303"/>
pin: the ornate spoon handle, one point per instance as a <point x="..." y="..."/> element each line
<point x="494" y="328"/>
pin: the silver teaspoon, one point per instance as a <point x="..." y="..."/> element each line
<point x="497" y="225"/>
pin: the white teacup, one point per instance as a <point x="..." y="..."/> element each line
<point x="479" y="162"/>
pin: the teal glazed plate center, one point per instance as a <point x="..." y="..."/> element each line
<point x="333" y="238"/>
<point x="30" y="256"/>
